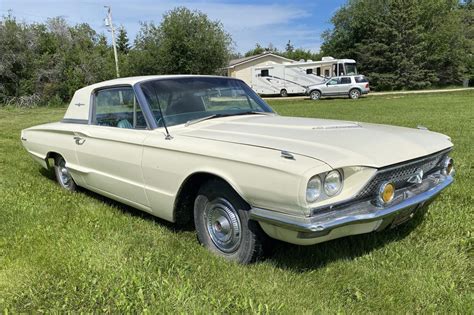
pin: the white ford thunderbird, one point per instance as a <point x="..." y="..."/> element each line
<point x="208" y="150"/>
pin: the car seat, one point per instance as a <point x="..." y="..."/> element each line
<point x="124" y="123"/>
<point x="187" y="104"/>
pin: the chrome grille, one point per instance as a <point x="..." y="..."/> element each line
<point x="399" y="174"/>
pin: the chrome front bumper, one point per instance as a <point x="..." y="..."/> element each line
<point x="406" y="201"/>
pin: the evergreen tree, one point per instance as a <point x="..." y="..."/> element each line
<point x="400" y="44"/>
<point x="123" y="45"/>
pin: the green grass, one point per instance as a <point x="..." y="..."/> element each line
<point x="62" y="251"/>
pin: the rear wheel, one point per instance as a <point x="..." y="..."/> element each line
<point x="315" y="95"/>
<point x="63" y="176"/>
<point x="223" y="225"/>
<point x="354" y="94"/>
<point x="284" y="93"/>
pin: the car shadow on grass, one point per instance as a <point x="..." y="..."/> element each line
<point x="306" y="258"/>
<point x="284" y="255"/>
<point x="123" y="207"/>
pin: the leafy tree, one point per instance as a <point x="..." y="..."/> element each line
<point x="260" y="50"/>
<point x="467" y="17"/>
<point x="145" y="58"/>
<point x="185" y="42"/>
<point x="17" y="44"/>
<point x="48" y="62"/>
<point x="256" y="51"/>
<point x="290" y="52"/>
<point x="301" y="54"/>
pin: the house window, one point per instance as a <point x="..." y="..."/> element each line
<point x="318" y="71"/>
<point x="309" y="71"/>
<point x="264" y="73"/>
<point x="326" y="73"/>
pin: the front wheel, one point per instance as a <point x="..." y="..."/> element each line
<point x="315" y="95"/>
<point x="223" y="226"/>
<point x="354" y="94"/>
<point x="283" y="93"/>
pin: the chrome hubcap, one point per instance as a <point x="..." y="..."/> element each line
<point x="223" y="225"/>
<point x="315" y="96"/>
<point x="354" y="94"/>
<point x="64" y="176"/>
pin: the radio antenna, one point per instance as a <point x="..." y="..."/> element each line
<point x="168" y="136"/>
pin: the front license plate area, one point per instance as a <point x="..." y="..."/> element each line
<point x="403" y="217"/>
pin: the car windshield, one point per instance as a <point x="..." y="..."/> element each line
<point x="351" y="69"/>
<point x="183" y="100"/>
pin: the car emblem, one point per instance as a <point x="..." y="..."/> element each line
<point x="416" y="178"/>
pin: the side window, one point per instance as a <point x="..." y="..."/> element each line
<point x="345" y="80"/>
<point x="333" y="82"/>
<point x="264" y="73"/>
<point x="118" y="107"/>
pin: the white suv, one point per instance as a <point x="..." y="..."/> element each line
<point x="353" y="86"/>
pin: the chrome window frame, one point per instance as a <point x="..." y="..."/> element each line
<point x="93" y="106"/>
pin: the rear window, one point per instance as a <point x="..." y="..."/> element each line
<point x="361" y="79"/>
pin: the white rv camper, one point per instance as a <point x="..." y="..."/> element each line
<point x="293" y="78"/>
<point x="282" y="79"/>
<point x="329" y="67"/>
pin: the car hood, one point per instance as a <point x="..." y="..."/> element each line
<point x="337" y="143"/>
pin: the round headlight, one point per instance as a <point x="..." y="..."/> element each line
<point x="332" y="183"/>
<point x="448" y="166"/>
<point x="313" y="190"/>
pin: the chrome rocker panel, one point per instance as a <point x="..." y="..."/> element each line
<point x="406" y="200"/>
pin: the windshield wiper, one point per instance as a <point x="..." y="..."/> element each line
<point x="197" y="120"/>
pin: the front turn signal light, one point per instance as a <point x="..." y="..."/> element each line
<point x="386" y="193"/>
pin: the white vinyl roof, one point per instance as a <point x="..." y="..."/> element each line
<point x="79" y="107"/>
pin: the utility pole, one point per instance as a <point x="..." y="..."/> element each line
<point x="110" y="25"/>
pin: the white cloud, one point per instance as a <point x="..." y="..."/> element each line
<point x="247" y="23"/>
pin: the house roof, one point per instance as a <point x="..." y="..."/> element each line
<point x="239" y="61"/>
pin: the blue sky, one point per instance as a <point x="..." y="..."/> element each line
<point x="248" y="22"/>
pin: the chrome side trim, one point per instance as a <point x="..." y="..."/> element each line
<point x="360" y="212"/>
<point x="75" y="121"/>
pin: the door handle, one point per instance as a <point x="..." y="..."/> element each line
<point x="79" y="140"/>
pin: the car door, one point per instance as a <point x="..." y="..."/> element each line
<point x="344" y="85"/>
<point x="110" y="148"/>
<point x="331" y="87"/>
